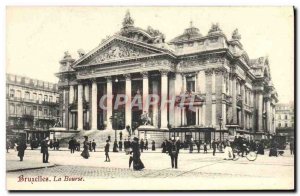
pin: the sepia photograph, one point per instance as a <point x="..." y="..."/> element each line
<point x="150" y="98"/>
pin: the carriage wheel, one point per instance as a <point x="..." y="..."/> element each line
<point x="251" y="156"/>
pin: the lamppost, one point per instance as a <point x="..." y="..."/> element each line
<point x="220" y="123"/>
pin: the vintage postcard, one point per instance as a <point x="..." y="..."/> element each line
<point x="150" y="98"/>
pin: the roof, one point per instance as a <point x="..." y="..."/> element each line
<point x="191" y="33"/>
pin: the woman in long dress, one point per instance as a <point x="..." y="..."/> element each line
<point x="85" y="153"/>
<point x="136" y="157"/>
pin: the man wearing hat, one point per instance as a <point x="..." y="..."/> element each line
<point x="44" y="149"/>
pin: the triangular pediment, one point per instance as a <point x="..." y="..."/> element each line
<point x="117" y="49"/>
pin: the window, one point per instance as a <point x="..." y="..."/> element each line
<point x="27" y="95"/>
<point x="45" y="112"/>
<point x="57" y="99"/>
<point x="19" y="109"/>
<point x="40" y="111"/>
<point x="18" y="94"/>
<point x="190" y="86"/>
<point x="40" y="97"/>
<point x="180" y="45"/>
<point x="286" y="117"/>
<point x="279" y="124"/>
<point x="12" y="93"/>
<point x="45" y="97"/>
<point x="50" y="98"/>
<point x="34" y="96"/>
<point x="34" y="110"/>
<point x="286" y="125"/>
<point x="191" y="44"/>
<point x="12" y="108"/>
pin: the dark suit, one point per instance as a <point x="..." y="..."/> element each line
<point x="21" y="150"/>
<point x="44" y="150"/>
<point x="173" y="152"/>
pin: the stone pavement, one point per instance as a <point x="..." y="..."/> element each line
<point x="269" y="172"/>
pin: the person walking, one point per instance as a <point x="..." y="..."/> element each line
<point x="214" y="147"/>
<point x="146" y="145"/>
<point x="136" y="155"/>
<point x="94" y="145"/>
<point x="85" y="153"/>
<point x="191" y="146"/>
<point x="153" y="145"/>
<point x="120" y="145"/>
<point x="205" y="148"/>
<point x="7" y="145"/>
<point x="90" y="146"/>
<point x="142" y="145"/>
<point x="72" y="145"/>
<point x="198" y="146"/>
<point x="164" y="146"/>
<point x="173" y="152"/>
<point x="106" y="150"/>
<point x="44" y="150"/>
<point x="115" y="147"/>
<point x="292" y="147"/>
<point x="21" y="149"/>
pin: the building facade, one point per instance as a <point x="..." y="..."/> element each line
<point x="229" y="92"/>
<point x="32" y="106"/>
<point x="285" y="120"/>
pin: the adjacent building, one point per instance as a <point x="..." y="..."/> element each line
<point x="285" y="120"/>
<point x="230" y="93"/>
<point x="32" y="106"/>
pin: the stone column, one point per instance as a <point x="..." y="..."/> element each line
<point x="201" y="81"/>
<point x="164" y="97"/>
<point x="268" y="112"/>
<point x="203" y="114"/>
<point x="183" y="83"/>
<point x="155" y="106"/>
<point x="80" y="108"/>
<point x="213" y="96"/>
<point x="183" y="116"/>
<point x="260" y="111"/>
<point x="197" y="115"/>
<point x="128" y="112"/>
<point x="171" y="96"/>
<point x="145" y="91"/>
<point x="178" y="84"/>
<point x="71" y="94"/>
<point x="109" y="102"/>
<point x="94" y="105"/>
<point x="243" y="102"/>
<point x="234" y="111"/>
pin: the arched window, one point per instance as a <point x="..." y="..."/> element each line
<point x="12" y="93"/>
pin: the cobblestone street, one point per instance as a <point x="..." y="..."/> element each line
<point x="274" y="172"/>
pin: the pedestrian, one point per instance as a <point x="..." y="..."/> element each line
<point x="106" y="150"/>
<point x="198" y="146"/>
<point x="85" y="153"/>
<point x="146" y="145"/>
<point x="153" y="145"/>
<point x="127" y="146"/>
<point x="228" y="150"/>
<point x="51" y="144"/>
<point x="173" y="152"/>
<point x="72" y="145"/>
<point x="121" y="135"/>
<point x="163" y="146"/>
<point x="120" y="145"/>
<point x="57" y="144"/>
<point x="90" y="146"/>
<point x="21" y="149"/>
<point x="136" y="155"/>
<point x="205" y="148"/>
<point x="7" y="146"/>
<point x="214" y="146"/>
<point x="260" y="148"/>
<point x="292" y="147"/>
<point x="142" y="145"/>
<point x="77" y="145"/>
<point x="191" y="146"/>
<point x="115" y="147"/>
<point x="44" y="150"/>
<point x="94" y="145"/>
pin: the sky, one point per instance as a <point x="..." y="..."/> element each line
<point x="37" y="37"/>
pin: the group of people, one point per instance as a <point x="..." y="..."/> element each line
<point x="54" y="144"/>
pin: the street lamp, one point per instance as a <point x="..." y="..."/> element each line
<point x="220" y="123"/>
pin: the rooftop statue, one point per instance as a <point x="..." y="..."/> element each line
<point x="128" y="21"/>
<point x="236" y="35"/>
<point x="214" y="28"/>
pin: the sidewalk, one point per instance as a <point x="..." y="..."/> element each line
<point x="16" y="165"/>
